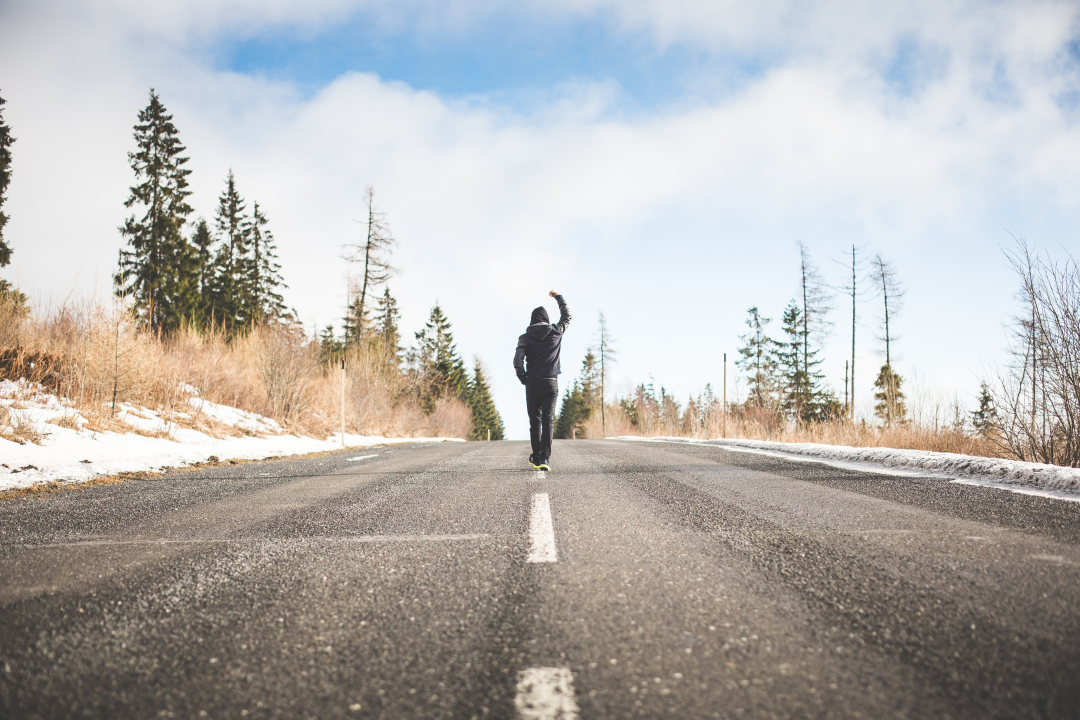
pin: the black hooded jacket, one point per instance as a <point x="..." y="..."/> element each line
<point x="540" y="345"/>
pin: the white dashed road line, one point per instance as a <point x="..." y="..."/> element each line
<point x="541" y="531"/>
<point x="546" y="693"/>
<point x="362" y="457"/>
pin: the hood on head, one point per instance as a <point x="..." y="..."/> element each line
<point x="539" y="315"/>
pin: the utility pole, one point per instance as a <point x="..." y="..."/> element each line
<point x="342" y="402"/>
<point x="851" y="406"/>
<point x="725" y="395"/>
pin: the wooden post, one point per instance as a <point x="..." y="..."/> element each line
<point x="343" y="402"/>
<point x="725" y="394"/>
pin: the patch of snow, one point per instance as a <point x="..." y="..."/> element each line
<point x="70" y="455"/>
<point x="1022" y="477"/>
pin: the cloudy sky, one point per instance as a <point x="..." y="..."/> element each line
<point x="654" y="159"/>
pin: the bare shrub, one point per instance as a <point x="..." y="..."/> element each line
<point x="1038" y="394"/>
<point x="287" y="365"/>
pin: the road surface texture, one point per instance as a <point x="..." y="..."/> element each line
<point x="449" y="581"/>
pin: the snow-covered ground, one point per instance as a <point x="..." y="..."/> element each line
<point x="1022" y="477"/>
<point x="69" y="452"/>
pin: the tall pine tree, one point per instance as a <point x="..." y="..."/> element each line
<point x="263" y="276"/>
<point x="386" y="325"/>
<point x="203" y="243"/>
<point x="5" y="178"/>
<point x="153" y="270"/>
<point x="442" y="372"/>
<point x="230" y="295"/>
<point x="803" y="397"/>
<point x="758" y="361"/>
<point x="487" y="424"/>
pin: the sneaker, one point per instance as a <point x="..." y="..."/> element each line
<point x="533" y="464"/>
<point x="543" y="466"/>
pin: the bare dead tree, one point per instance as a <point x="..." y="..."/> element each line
<point x="606" y="356"/>
<point x="372" y="251"/>
<point x="891" y="399"/>
<point x="816" y="305"/>
<point x="1038" y="394"/>
<point x="891" y="291"/>
<point x="856" y="290"/>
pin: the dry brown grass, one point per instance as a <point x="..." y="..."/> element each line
<point x="94" y="355"/>
<point x="16" y="426"/>
<point x="766" y="426"/>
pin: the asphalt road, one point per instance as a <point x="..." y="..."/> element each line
<point x="449" y="581"/>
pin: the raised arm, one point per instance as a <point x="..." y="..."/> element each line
<point x="519" y="360"/>
<point x="564" y="312"/>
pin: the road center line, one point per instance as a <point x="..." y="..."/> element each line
<point x="362" y="457"/>
<point x="541" y="531"/>
<point x="546" y="693"/>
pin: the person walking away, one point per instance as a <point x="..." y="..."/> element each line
<point x="536" y="363"/>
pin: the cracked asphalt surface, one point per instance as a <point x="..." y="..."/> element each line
<point x="691" y="582"/>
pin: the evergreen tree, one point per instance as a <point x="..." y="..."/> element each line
<point x="386" y="325"/>
<point x="487" y="424"/>
<point x="758" y="361"/>
<point x="890" y="399"/>
<point x="263" y="276"/>
<point x="202" y="243"/>
<point x="230" y="296"/>
<point x="5" y="178"/>
<point x="575" y="410"/>
<point x="802" y="396"/>
<point x="357" y="317"/>
<point x="794" y="388"/>
<point x="591" y="381"/>
<point x="331" y="349"/>
<point x="153" y="272"/>
<point x="581" y="400"/>
<point x="985" y="418"/>
<point x="442" y="372"/>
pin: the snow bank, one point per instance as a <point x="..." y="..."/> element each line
<point x="71" y="453"/>
<point x="1032" y="478"/>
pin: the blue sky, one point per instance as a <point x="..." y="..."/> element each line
<point x="513" y="60"/>
<point x="654" y="160"/>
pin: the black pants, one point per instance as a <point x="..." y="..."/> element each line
<point x="540" y="397"/>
